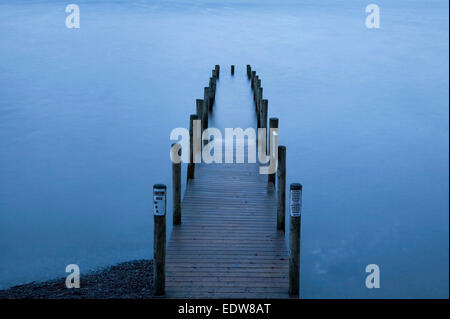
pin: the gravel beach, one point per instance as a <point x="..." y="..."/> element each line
<point x="133" y="279"/>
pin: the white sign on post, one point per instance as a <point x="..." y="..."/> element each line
<point x="295" y="202"/>
<point x="159" y="201"/>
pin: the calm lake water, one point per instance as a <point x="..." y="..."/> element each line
<point x="85" y="118"/>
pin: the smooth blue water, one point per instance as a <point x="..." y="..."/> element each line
<point x="85" y="118"/>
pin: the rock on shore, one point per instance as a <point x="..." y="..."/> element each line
<point x="133" y="279"/>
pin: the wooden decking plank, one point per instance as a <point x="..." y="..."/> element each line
<point x="227" y="245"/>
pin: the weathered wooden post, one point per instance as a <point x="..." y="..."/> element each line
<point x="295" y="208"/>
<point x="256" y="90"/>
<point x="281" y="195"/>
<point x="205" y="120"/>
<point x="201" y="112"/>
<point x="203" y="115"/>
<point x="200" y="116"/>
<point x="264" y="109"/>
<point x="213" y="87"/>
<point x="253" y="79"/>
<point x="232" y="70"/>
<point x="206" y="98"/>
<point x="199" y="108"/>
<point x="176" y="183"/>
<point x="256" y="94"/>
<point x="263" y="118"/>
<point x="273" y="124"/>
<point x="217" y="68"/>
<point x="249" y="71"/>
<point x="159" y="239"/>
<point x="273" y="127"/>
<point x="259" y="116"/>
<point x="259" y="101"/>
<point x="191" y="165"/>
<point x="211" y="91"/>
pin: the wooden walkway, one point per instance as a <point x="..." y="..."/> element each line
<point x="228" y="237"/>
<point x="227" y="245"/>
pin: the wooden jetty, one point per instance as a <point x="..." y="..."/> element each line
<point x="227" y="245"/>
<point x="228" y="237"/>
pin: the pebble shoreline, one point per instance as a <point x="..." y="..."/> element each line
<point x="132" y="279"/>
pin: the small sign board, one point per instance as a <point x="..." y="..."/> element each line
<point x="295" y="202"/>
<point x="159" y="200"/>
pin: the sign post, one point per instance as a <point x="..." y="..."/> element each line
<point x="159" y="239"/>
<point x="295" y="211"/>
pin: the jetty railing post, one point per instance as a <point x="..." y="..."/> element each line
<point x="206" y="98"/>
<point x="273" y="124"/>
<point x="263" y="115"/>
<point x="232" y="70"/>
<point x="273" y="128"/>
<point x="217" y="68"/>
<point x="213" y="85"/>
<point x="191" y="165"/>
<point x="256" y="91"/>
<point x="199" y="104"/>
<point x="295" y="208"/>
<point x="159" y="238"/>
<point x="265" y="111"/>
<point x="202" y="113"/>
<point x="260" y="107"/>
<point x="249" y="71"/>
<point x="253" y="75"/>
<point x="206" y="101"/>
<point x="281" y="195"/>
<point x="204" y="119"/>
<point x="211" y="91"/>
<point x="176" y="183"/>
